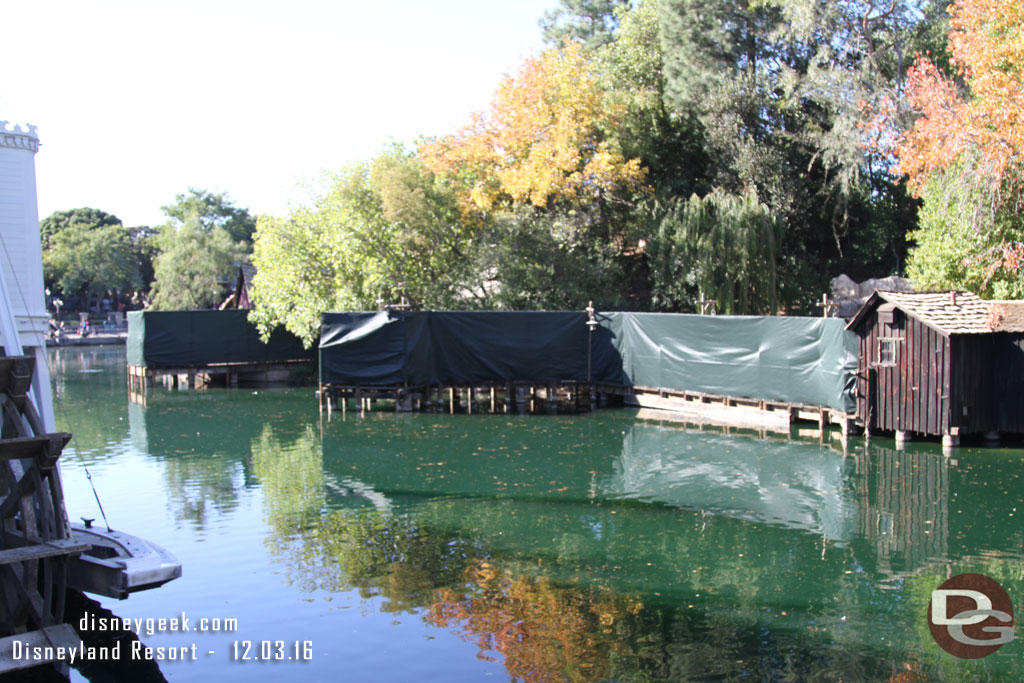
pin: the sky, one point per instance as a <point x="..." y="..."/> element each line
<point x="135" y="102"/>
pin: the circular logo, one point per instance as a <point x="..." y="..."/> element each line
<point x="970" y="616"/>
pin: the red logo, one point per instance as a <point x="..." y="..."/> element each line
<point x="970" y="616"/>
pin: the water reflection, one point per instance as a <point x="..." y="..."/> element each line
<point x="792" y="484"/>
<point x="652" y="553"/>
<point x="903" y="508"/>
<point x="208" y="441"/>
<point x="605" y="548"/>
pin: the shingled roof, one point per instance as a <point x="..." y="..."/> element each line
<point x="951" y="312"/>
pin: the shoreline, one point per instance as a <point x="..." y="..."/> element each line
<point x="95" y="339"/>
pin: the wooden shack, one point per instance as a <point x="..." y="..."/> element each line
<point x="940" y="363"/>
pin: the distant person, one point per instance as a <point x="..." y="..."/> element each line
<point x="56" y="330"/>
<point x="85" y="329"/>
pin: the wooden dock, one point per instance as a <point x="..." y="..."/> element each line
<point x="575" y="397"/>
<point x="199" y="376"/>
<point x="510" y="397"/>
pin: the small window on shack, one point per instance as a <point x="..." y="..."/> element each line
<point x="887" y="351"/>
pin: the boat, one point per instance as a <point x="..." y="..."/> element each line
<point x="118" y="564"/>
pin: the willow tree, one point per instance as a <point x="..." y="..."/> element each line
<point x="722" y="247"/>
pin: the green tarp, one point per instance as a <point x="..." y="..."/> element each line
<point x="807" y="361"/>
<point x="452" y="347"/>
<point x="194" y="338"/>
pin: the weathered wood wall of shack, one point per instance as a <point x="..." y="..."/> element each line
<point x="988" y="383"/>
<point x="912" y="393"/>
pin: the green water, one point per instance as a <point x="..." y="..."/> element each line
<point x="433" y="547"/>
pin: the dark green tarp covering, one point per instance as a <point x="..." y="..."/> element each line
<point x="190" y="338"/>
<point x="452" y="347"/>
<point x="807" y="361"/>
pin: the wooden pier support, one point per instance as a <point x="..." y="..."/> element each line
<point x="141" y="377"/>
<point x="508" y="398"/>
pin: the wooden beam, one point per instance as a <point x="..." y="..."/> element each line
<point x="40" y="550"/>
<point x="44" y="449"/>
<point x="51" y="638"/>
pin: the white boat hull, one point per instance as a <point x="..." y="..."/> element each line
<point x="119" y="564"/>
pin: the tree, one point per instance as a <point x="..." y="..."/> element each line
<point x="544" y="140"/>
<point x="85" y="216"/>
<point x="85" y="260"/>
<point x="987" y="126"/>
<point x="592" y="22"/>
<point x="197" y="252"/>
<point x="537" y="259"/>
<point x="966" y="150"/>
<point x="211" y="210"/>
<point x="631" y="70"/>
<point x="721" y="247"/>
<point x="383" y="230"/>
<point x="950" y="252"/>
<point x="144" y="247"/>
<point x="192" y="266"/>
<point x="777" y="88"/>
<point x="87" y="252"/>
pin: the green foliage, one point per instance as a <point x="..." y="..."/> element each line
<point x="192" y="267"/>
<point x="669" y="143"/>
<point x="383" y="230"/>
<point x="723" y="246"/>
<point x="955" y="248"/>
<point x="88" y="251"/>
<point x="85" y="216"/>
<point x="779" y="89"/>
<point x="144" y="247"/>
<point x="535" y="259"/>
<point x="199" y="248"/>
<point x="212" y="210"/>
<point x="84" y="259"/>
<point x="591" y="21"/>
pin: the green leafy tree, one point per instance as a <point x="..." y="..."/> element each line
<point x="85" y="216"/>
<point x="538" y="259"/>
<point x="197" y="253"/>
<point x="192" y="267"/>
<point x="144" y="248"/>
<point x="721" y="247"/>
<point x="778" y="88"/>
<point x="212" y="210"/>
<point x="590" y="21"/>
<point x="948" y="246"/>
<point x="83" y="261"/>
<point x="383" y="230"/>
<point x="633" y="74"/>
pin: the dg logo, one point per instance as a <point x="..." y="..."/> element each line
<point x="970" y="616"/>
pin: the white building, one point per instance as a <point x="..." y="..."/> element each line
<point x="21" y="257"/>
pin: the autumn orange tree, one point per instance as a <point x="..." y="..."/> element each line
<point x="965" y="153"/>
<point x="543" y="173"/>
<point x="545" y="139"/>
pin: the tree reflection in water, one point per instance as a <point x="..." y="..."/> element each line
<point x="590" y="589"/>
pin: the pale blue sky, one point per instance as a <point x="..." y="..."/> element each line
<point x="136" y="101"/>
